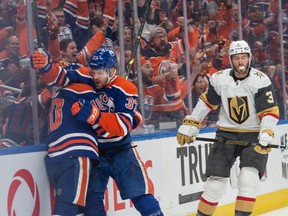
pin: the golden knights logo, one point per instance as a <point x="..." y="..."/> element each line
<point x="238" y="109"/>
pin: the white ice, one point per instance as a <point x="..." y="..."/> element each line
<point x="278" y="212"/>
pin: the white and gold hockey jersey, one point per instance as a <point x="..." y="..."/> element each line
<point x="247" y="105"/>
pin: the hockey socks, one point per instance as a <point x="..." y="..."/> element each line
<point x="206" y="208"/>
<point x="244" y="206"/>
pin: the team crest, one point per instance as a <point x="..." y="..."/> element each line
<point x="238" y="109"/>
<point x="105" y="103"/>
<point x="148" y="106"/>
<point x="65" y="33"/>
<point x="164" y="65"/>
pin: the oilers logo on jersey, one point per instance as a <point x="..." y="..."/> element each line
<point x="105" y="103"/>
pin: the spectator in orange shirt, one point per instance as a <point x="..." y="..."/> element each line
<point x="66" y="53"/>
<point x="228" y="28"/>
<point x="164" y="57"/>
<point x="256" y="33"/>
<point x="154" y="94"/>
<point x="64" y="28"/>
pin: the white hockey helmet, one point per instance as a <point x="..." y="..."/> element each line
<point x="237" y="47"/>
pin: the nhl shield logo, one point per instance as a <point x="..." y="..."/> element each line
<point x="238" y="109"/>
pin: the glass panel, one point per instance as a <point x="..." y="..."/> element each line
<point x="177" y="51"/>
<point x="263" y="32"/>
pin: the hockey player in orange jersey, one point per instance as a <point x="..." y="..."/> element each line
<point x="72" y="145"/>
<point x="115" y="104"/>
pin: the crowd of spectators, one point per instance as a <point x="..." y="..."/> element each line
<point x="71" y="30"/>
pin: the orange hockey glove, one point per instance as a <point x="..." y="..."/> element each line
<point x="40" y="61"/>
<point x="85" y="112"/>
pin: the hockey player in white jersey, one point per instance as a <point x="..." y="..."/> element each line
<point x="248" y="112"/>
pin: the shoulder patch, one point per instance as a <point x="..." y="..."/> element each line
<point x="126" y="86"/>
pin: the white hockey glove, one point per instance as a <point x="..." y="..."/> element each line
<point x="188" y="131"/>
<point x="266" y="137"/>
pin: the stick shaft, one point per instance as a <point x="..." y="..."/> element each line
<point x="237" y="142"/>
<point x="138" y="37"/>
<point x="37" y="27"/>
<point x="2" y="86"/>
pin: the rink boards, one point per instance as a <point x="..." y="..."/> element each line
<point x="177" y="174"/>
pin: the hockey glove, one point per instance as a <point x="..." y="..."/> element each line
<point x="188" y="131"/>
<point x="266" y="137"/>
<point x="41" y="62"/>
<point x="85" y="112"/>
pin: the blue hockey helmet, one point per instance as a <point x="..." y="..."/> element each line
<point x="103" y="59"/>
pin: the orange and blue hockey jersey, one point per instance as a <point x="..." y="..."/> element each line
<point x="117" y="102"/>
<point x="67" y="137"/>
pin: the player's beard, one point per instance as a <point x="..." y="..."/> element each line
<point x="101" y="83"/>
<point x="241" y="70"/>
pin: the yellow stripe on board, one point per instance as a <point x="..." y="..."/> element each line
<point x="264" y="203"/>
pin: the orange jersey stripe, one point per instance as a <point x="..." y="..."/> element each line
<point x="149" y="186"/>
<point x="127" y="122"/>
<point x="84" y="181"/>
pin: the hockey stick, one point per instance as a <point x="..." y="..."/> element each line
<point x="237" y="142"/>
<point x="5" y="142"/>
<point x="37" y="28"/>
<point x="10" y="88"/>
<point x="138" y="37"/>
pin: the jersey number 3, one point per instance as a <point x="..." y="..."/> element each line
<point x="270" y="99"/>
